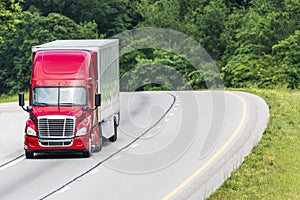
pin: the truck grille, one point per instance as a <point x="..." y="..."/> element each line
<point x="56" y="127"/>
<point x="56" y="143"/>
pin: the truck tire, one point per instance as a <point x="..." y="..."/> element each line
<point x="99" y="148"/>
<point x="87" y="153"/>
<point x="115" y="136"/>
<point x="29" y="154"/>
<point x="119" y="118"/>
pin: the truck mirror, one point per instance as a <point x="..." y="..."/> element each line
<point x="22" y="103"/>
<point x="97" y="100"/>
<point x="21" y="100"/>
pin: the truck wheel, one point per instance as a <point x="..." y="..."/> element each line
<point x="115" y="136"/>
<point x="29" y="154"/>
<point x="99" y="148"/>
<point x="87" y="153"/>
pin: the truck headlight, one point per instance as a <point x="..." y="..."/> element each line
<point x="81" y="132"/>
<point x="30" y="131"/>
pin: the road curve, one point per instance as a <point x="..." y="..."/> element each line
<point x="171" y="145"/>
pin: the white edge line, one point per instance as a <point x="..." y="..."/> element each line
<point x="12" y="163"/>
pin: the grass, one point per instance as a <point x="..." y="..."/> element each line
<point x="8" y="98"/>
<point x="272" y="170"/>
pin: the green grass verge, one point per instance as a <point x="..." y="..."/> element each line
<point x="272" y="170"/>
<point x="14" y="98"/>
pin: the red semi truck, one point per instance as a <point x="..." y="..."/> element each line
<point x="73" y="97"/>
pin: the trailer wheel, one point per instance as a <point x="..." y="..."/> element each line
<point x="115" y="136"/>
<point x="119" y="118"/>
<point x="29" y="154"/>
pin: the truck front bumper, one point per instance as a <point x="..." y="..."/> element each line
<point x="35" y="144"/>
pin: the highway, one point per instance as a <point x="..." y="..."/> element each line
<point x="171" y="145"/>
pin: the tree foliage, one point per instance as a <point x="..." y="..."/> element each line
<point x="110" y="15"/>
<point x="34" y="29"/>
<point x="159" y="69"/>
<point x="252" y="53"/>
<point x="9" y="10"/>
<point x="255" y="43"/>
<point x="287" y="57"/>
<point x="239" y="36"/>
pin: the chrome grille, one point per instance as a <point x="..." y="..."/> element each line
<point x="56" y="143"/>
<point x="56" y="126"/>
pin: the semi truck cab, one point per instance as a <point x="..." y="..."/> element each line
<point x="73" y="97"/>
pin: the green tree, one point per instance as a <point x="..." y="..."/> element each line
<point x="111" y="16"/>
<point x="287" y="56"/>
<point x="252" y="70"/>
<point x="160" y="13"/>
<point x="250" y="35"/>
<point x="160" y="69"/>
<point x="9" y="10"/>
<point x="202" y="20"/>
<point x="33" y="29"/>
<point x="206" y="24"/>
<point x="156" y="69"/>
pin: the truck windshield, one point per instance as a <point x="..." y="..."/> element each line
<point x="59" y="96"/>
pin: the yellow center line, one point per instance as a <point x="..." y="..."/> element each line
<point x="218" y="153"/>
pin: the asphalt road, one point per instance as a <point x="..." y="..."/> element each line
<point x="171" y="145"/>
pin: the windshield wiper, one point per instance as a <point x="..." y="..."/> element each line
<point x="41" y="104"/>
<point x="67" y="104"/>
